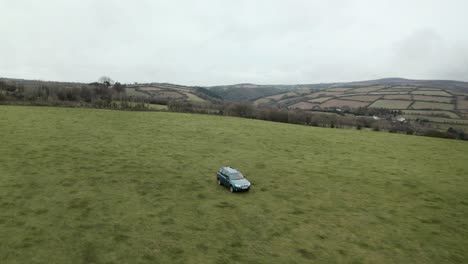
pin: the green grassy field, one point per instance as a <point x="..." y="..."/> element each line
<point x="391" y="104"/>
<point x="100" y="186"/>
<point x="431" y="105"/>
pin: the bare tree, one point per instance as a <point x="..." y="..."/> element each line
<point x="106" y="80"/>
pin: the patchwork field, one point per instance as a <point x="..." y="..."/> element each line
<point x="166" y="91"/>
<point x="392" y="97"/>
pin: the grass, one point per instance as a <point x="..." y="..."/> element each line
<point x="431" y="105"/>
<point x="364" y="98"/>
<point x="365" y="89"/>
<point x="193" y="98"/>
<point x="343" y="103"/>
<point x="391" y="104"/>
<point x="320" y="99"/>
<point x="338" y="89"/>
<point x="100" y="186"/>
<point x="397" y="96"/>
<point x="135" y="93"/>
<point x="303" y="105"/>
<point x="439" y="99"/>
<point x="432" y="92"/>
<point x="462" y="103"/>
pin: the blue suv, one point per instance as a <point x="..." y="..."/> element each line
<point x="233" y="179"/>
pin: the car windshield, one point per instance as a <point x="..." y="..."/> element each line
<point x="235" y="175"/>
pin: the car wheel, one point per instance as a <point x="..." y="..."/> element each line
<point x="219" y="181"/>
<point x="231" y="189"/>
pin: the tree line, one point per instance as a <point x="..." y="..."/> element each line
<point x="98" y="94"/>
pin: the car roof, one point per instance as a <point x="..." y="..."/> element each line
<point x="230" y="170"/>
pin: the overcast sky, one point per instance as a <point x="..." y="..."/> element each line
<point x="210" y="42"/>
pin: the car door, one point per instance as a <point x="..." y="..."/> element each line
<point x="224" y="178"/>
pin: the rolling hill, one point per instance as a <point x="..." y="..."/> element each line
<point x="148" y="91"/>
<point x="249" y="91"/>
<point x="100" y="186"/>
<point x="435" y="101"/>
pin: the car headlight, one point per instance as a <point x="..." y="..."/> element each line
<point x="237" y="185"/>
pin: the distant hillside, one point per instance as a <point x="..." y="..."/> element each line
<point x="441" y="84"/>
<point x="167" y="91"/>
<point x="425" y="103"/>
<point x="155" y="92"/>
<point x="249" y="91"/>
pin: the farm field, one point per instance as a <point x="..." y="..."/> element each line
<point x="431" y="112"/>
<point x="100" y="186"/>
<point x="431" y="105"/>
<point x="134" y="93"/>
<point x="431" y="92"/>
<point x="462" y="102"/>
<point x="391" y="104"/>
<point x="343" y="103"/>
<point x="397" y="96"/>
<point x="320" y="99"/>
<point x="450" y="102"/>
<point x="364" y="98"/>
<point x="303" y="105"/>
<point x="365" y="89"/>
<point x="439" y="99"/>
